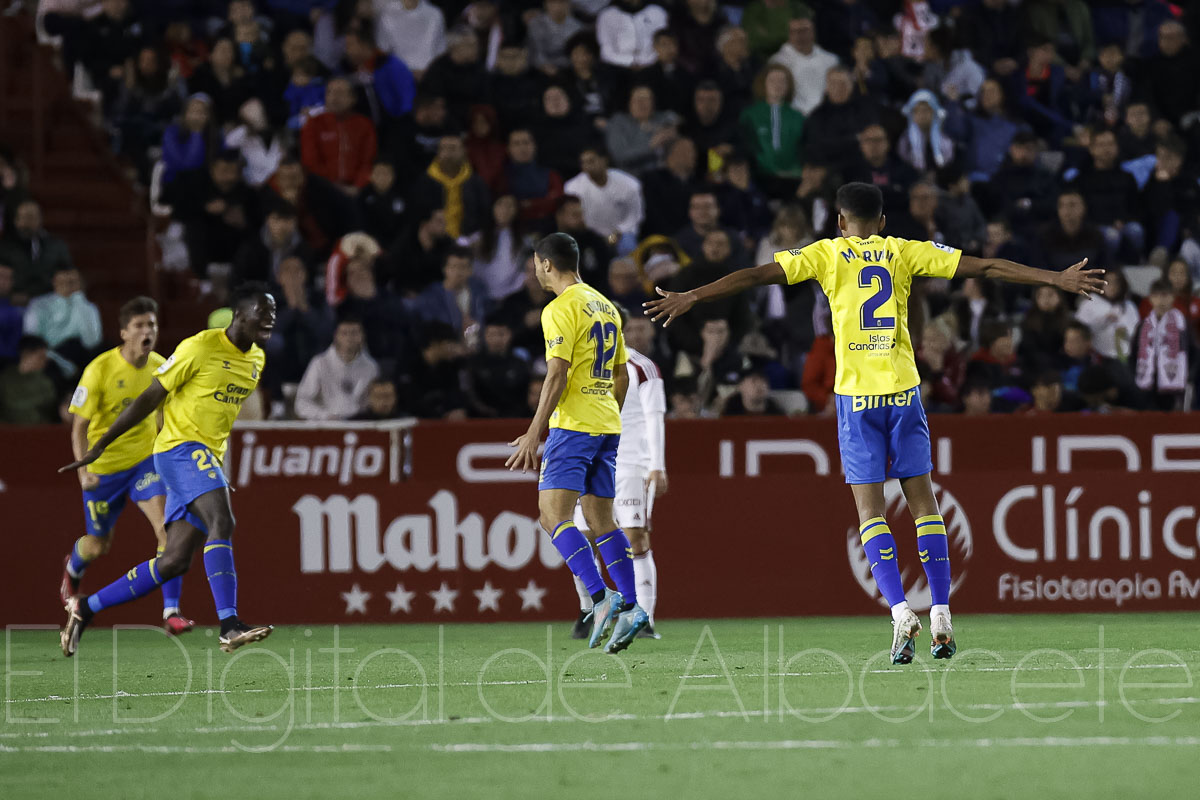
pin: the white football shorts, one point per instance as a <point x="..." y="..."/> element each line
<point x="629" y="506"/>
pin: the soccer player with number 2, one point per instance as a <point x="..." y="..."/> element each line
<point x="882" y="430"/>
<point x="581" y="400"/>
<point x="207" y="378"/>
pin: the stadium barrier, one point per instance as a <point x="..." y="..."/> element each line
<point x="400" y="522"/>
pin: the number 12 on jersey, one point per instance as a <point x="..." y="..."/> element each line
<point x="867" y="278"/>
<point x="602" y="333"/>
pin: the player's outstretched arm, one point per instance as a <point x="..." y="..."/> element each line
<point x="674" y="304"/>
<point x="556" y="380"/>
<point x="1075" y="279"/>
<point x="143" y="406"/>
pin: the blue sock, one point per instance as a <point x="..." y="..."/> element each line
<point x="934" y="549"/>
<point x="138" y="582"/>
<point x="880" y="547"/>
<point x="171" y="591"/>
<point x="618" y="557"/>
<point x="222" y="577"/>
<point x="576" y="550"/>
<point x="78" y="563"/>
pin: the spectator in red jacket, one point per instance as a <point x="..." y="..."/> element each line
<point x="339" y="144"/>
<point x="817" y="378"/>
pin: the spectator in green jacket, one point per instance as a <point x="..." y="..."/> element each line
<point x="27" y="394"/>
<point x="766" y="23"/>
<point x="772" y="131"/>
<point x="67" y="321"/>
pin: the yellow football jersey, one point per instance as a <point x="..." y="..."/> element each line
<point x="867" y="282"/>
<point x="582" y="327"/>
<point x="107" y="386"/>
<point x="208" y="378"/>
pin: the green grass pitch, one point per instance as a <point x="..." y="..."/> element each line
<point x="1085" y="706"/>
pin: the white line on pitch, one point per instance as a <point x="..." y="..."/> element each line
<point x="170" y="750"/>
<point x="820" y="744"/>
<point x="799" y="713"/>
<point x="541" y="682"/>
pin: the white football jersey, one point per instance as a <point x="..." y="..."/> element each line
<point x="642" y="445"/>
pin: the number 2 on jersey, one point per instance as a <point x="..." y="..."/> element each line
<point x="601" y="333"/>
<point x="867" y="278"/>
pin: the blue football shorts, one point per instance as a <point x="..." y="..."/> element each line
<point x="883" y="436"/>
<point x="103" y="504"/>
<point x="188" y="470"/>
<point x="582" y="462"/>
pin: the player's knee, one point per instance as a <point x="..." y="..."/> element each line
<point x="550" y="522"/>
<point x="922" y="505"/>
<point x="172" y="564"/>
<point x="551" y="516"/>
<point x="94" y="546"/>
<point x="639" y="540"/>
<point x="222" y="527"/>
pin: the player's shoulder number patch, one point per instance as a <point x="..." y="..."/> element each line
<point x="166" y="365"/>
<point x="80" y="397"/>
<point x="944" y="248"/>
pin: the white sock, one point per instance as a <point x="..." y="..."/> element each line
<point x="169" y="611"/>
<point x="935" y="610"/>
<point x="645" y="575"/>
<point x="898" y="610"/>
<point x="585" y="597"/>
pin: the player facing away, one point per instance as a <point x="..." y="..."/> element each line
<point x="641" y="472"/>
<point x="207" y="378"/>
<point x="126" y="470"/>
<point x="882" y="430"/>
<point x="581" y="401"/>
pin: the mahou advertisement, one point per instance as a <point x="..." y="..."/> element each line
<point x="403" y="523"/>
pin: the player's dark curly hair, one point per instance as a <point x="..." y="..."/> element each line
<point x="861" y="201"/>
<point x="560" y="250"/>
<point x="247" y="294"/>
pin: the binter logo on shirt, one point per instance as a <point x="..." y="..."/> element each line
<point x="867" y="402"/>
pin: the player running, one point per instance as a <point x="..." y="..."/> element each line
<point x="882" y="430"/>
<point x="641" y="473"/>
<point x="581" y="400"/>
<point x="126" y="471"/>
<point x="207" y="379"/>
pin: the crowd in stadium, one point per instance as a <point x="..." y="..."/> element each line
<point x="386" y="164"/>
